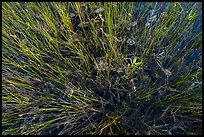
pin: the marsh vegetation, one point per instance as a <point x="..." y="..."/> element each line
<point x="101" y="68"/>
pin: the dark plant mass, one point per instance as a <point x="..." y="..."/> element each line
<point x="101" y="68"/>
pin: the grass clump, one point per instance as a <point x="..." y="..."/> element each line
<point x="101" y="68"/>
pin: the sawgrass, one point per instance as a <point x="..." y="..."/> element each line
<point x="101" y="68"/>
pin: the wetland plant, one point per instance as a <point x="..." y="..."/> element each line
<point x="101" y="68"/>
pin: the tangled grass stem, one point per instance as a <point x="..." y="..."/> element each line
<point x="101" y="68"/>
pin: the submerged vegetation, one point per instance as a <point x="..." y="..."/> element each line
<point x="101" y="68"/>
